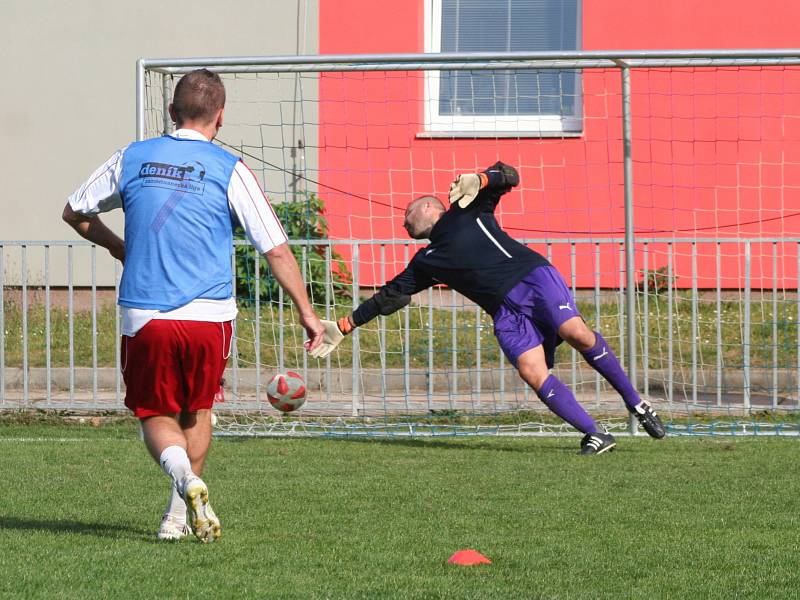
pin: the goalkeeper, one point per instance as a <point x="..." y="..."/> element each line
<point x="528" y="300"/>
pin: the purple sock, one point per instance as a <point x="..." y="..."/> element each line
<point x="561" y="401"/>
<point x="603" y="360"/>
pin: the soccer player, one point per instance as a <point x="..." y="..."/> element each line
<point x="182" y="195"/>
<point x="532" y="308"/>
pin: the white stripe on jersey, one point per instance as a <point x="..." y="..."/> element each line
<point x="250" y="204"/>
<point x="491" y="237"/>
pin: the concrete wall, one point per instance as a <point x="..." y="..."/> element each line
<point x="68" y="99"/>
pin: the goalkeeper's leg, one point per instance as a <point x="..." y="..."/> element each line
<point x="533" y="369"/>
<point x="523" y="343"/>
<point x="600" y="356"/>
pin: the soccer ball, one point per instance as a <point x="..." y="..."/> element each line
<point x="286" y="391"/>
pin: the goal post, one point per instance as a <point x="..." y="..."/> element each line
<point x="660" y="184"/>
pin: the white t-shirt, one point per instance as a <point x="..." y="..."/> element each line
<point x="100" y="193"/>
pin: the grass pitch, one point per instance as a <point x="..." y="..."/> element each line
<point x="319" y="518"/>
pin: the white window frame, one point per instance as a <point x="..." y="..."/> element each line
<point x="479" y="125"/>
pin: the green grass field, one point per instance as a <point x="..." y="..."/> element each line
<point x="320" y="518"/>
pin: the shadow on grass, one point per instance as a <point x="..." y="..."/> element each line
<point x="462" y="444"/>
<point x="569" y="444"/>
<point x="68" y="526"/>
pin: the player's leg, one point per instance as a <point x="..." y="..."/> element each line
<point x="552" y="392"/>
<point x="196" y="428"/>
<point x="173" y="524"/>
<point x="522" y="343"/>
<point x="201" y="517"/>
<point x="204" y="355"/>
<point x="153" y="374"/>
<point x="188" y="506"/>
<point x="161" y="432"/>
<point x="532" y="366"/>
<point x="600" y="356"/>
<point x="555" y="308"/>
<point x="166" y="443"/>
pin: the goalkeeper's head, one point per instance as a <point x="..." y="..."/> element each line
<point x="421" y="215"/>
<point x="199" y="101"/>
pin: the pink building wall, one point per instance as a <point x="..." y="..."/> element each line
<point x="716" y="151"/>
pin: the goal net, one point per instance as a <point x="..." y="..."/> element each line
<point x="341" y="148"/>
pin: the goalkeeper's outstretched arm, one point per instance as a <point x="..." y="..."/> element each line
<point x="390" y="298"/>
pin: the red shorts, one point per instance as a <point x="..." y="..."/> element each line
<point x="171" y="367"/>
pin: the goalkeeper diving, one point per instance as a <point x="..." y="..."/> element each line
<point x="531" y="306"/>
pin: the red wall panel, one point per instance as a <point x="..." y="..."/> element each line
<point x="716" y="151"/>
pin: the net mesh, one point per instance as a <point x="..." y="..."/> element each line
<point x="715" y="154"/>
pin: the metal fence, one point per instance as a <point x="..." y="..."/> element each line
<point x="702" y="348"/>
<point x="702" y="323"/>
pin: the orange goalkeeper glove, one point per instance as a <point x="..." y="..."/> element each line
<point x="345" y="325"/>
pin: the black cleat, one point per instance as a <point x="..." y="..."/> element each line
<point x="597" y="443"/>
<point x="649" y="420"/>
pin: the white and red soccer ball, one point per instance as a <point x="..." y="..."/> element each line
<point x="286" y="391"/>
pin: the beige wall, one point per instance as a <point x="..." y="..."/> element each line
<point x="68" y="100"/>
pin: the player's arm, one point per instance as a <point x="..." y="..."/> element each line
<point x="98" y="194"/>
<point x="261" y="225"/>
<point x="390" y="298"/>
<point x="286" y="271"/>
<point x="496" y="181"/>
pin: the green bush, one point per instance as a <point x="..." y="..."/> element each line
<point x="303" y="219"/>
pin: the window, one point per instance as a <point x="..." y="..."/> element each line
<point x="537" y="102"/>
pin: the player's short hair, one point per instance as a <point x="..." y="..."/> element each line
<point x="433" y="200"/>
<point x="198" y="96"/>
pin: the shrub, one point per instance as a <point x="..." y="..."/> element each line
<point x="303" y="219"/>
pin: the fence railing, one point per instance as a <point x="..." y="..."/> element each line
<point x="703" y="345"/>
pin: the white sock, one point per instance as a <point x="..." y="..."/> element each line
<point x="176" y="507"/>
<point x="175" y="462"/>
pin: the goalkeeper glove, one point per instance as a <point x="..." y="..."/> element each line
<point x="464" y="189"/>
<point x="501" y="175"/>
<point x="333" y="336"/>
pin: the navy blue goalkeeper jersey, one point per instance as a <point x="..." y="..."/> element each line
<point x="468" y="252"/>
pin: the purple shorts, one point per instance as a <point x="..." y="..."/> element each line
<point x="532" y="312"/>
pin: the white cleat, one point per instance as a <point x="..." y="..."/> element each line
<point x="172" y="529"/>
<point x="200" y="517"/>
